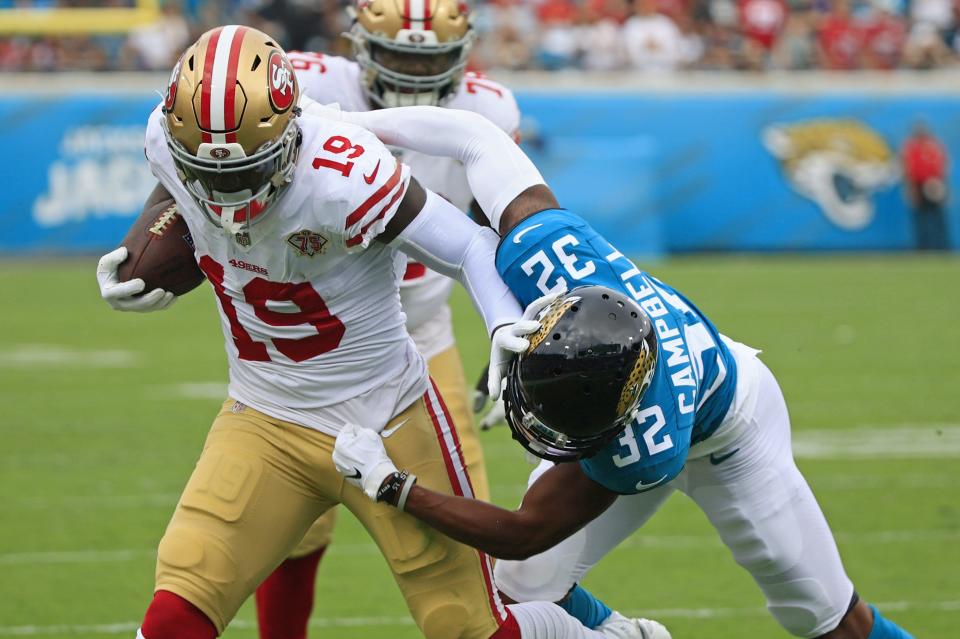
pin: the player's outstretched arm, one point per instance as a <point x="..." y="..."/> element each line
<point x="502" y="178"/>
<point x="558" y="504"/>
<point x="435" y="233"/>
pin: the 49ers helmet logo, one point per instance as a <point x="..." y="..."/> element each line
<point x="282" y="82"/>
<point x="171" y="95"/>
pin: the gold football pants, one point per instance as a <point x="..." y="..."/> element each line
<point x="260" y="484"/>
<point x="447" y="371"/>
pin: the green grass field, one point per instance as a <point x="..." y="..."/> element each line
<point x="104" y="414"/>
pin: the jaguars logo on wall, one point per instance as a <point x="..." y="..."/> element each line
<point x="839" y="164"/>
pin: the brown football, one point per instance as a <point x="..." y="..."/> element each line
<point x="161" y="250"/>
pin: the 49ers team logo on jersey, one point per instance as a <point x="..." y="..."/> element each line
<point x="307" y="242"/>
<point x="171" y="95"/>
<point x="282" y="82"/>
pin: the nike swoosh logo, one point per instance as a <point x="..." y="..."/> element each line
<point x="719" y="459"/>
<point x="373" y="176"/>
<point x="516" y="238"/>
<point x="355" y="475"/>
<point x="643" y="486"/>
<point x="390" y="431"/>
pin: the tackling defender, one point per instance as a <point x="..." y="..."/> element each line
<point x="627" y="380"/>
<point x="315" y="340"/>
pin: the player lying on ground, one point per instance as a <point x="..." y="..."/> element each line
<point x="315" y="340"/>
<point x="632" y="386"/>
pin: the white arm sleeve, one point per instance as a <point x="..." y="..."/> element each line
<point x="447" y="241"/>
<point x="498" y="171"/>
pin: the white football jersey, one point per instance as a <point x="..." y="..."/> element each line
<point x="332" y="79"/>
<point x="310" y="308"/>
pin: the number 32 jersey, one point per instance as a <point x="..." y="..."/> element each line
<point x="695" y="378"/>
<point x="309" y="303"/>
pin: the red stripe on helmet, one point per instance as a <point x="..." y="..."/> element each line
<point x="426" y="15"/>
<point x="406" y="14"/>
<point x="230" y="92"/>
<point x="205" y="84"/>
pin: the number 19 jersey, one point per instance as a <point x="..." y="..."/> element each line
<point x="695" y="377"/>
<point x="309" y="303"/>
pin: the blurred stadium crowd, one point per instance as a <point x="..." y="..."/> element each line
<point x="644" y="36"/>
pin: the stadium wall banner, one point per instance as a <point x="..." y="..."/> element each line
<point x="660" y="171"/>
<point x="743" y="171"/>
<point x="79" y="176"/>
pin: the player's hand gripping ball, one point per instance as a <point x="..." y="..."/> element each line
<point x="156" y="256"/>
<point x="161" y="251"/>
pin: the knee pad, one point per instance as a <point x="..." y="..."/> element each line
<point x="446" y="619"/>
<point x="407" y="544"/>
<point x="186" y="552"/>
<point x="803" y="607"/>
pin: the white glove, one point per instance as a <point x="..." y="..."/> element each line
<point x="510" y="339"/>
<point x="360" y="457"/>
<point x="120" y="295"/>
<point x="495" y="416"/>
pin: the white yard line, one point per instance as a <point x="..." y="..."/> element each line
<point x="88" y="502"/>
<point x="74" y="557"/>
<point x="821" y="484"/>
<point x="54" y="355"/>
<point x="669" y="542"/>
<point x="130" y="627"/>
<point x="865" y="442"/>
<point x="195" y="390"/>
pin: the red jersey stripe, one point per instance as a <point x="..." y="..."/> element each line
<point x="358" y="238"/>
<point x="372" y="201"/>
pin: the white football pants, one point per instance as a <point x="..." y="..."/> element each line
<point x="757" y="500"/>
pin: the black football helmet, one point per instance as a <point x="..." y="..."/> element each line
<point x="583" y="376"/>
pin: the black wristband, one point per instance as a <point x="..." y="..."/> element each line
<point x="395" y="488"/>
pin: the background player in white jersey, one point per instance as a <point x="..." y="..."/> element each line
<point x="407" y="52"/>
<point x="315" y="340"/>
<point x="631" y="385"/>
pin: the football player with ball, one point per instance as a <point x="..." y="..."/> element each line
<point x="628" y="393"/>
<point x="412" y="52"/>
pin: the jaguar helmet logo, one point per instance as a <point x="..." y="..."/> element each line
<point x="839" y="164"/>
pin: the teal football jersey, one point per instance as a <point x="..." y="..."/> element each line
<point x="695" y="376"/>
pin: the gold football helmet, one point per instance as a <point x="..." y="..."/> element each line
<point x="411" y="51"/>
<point x="230" y="124"/>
